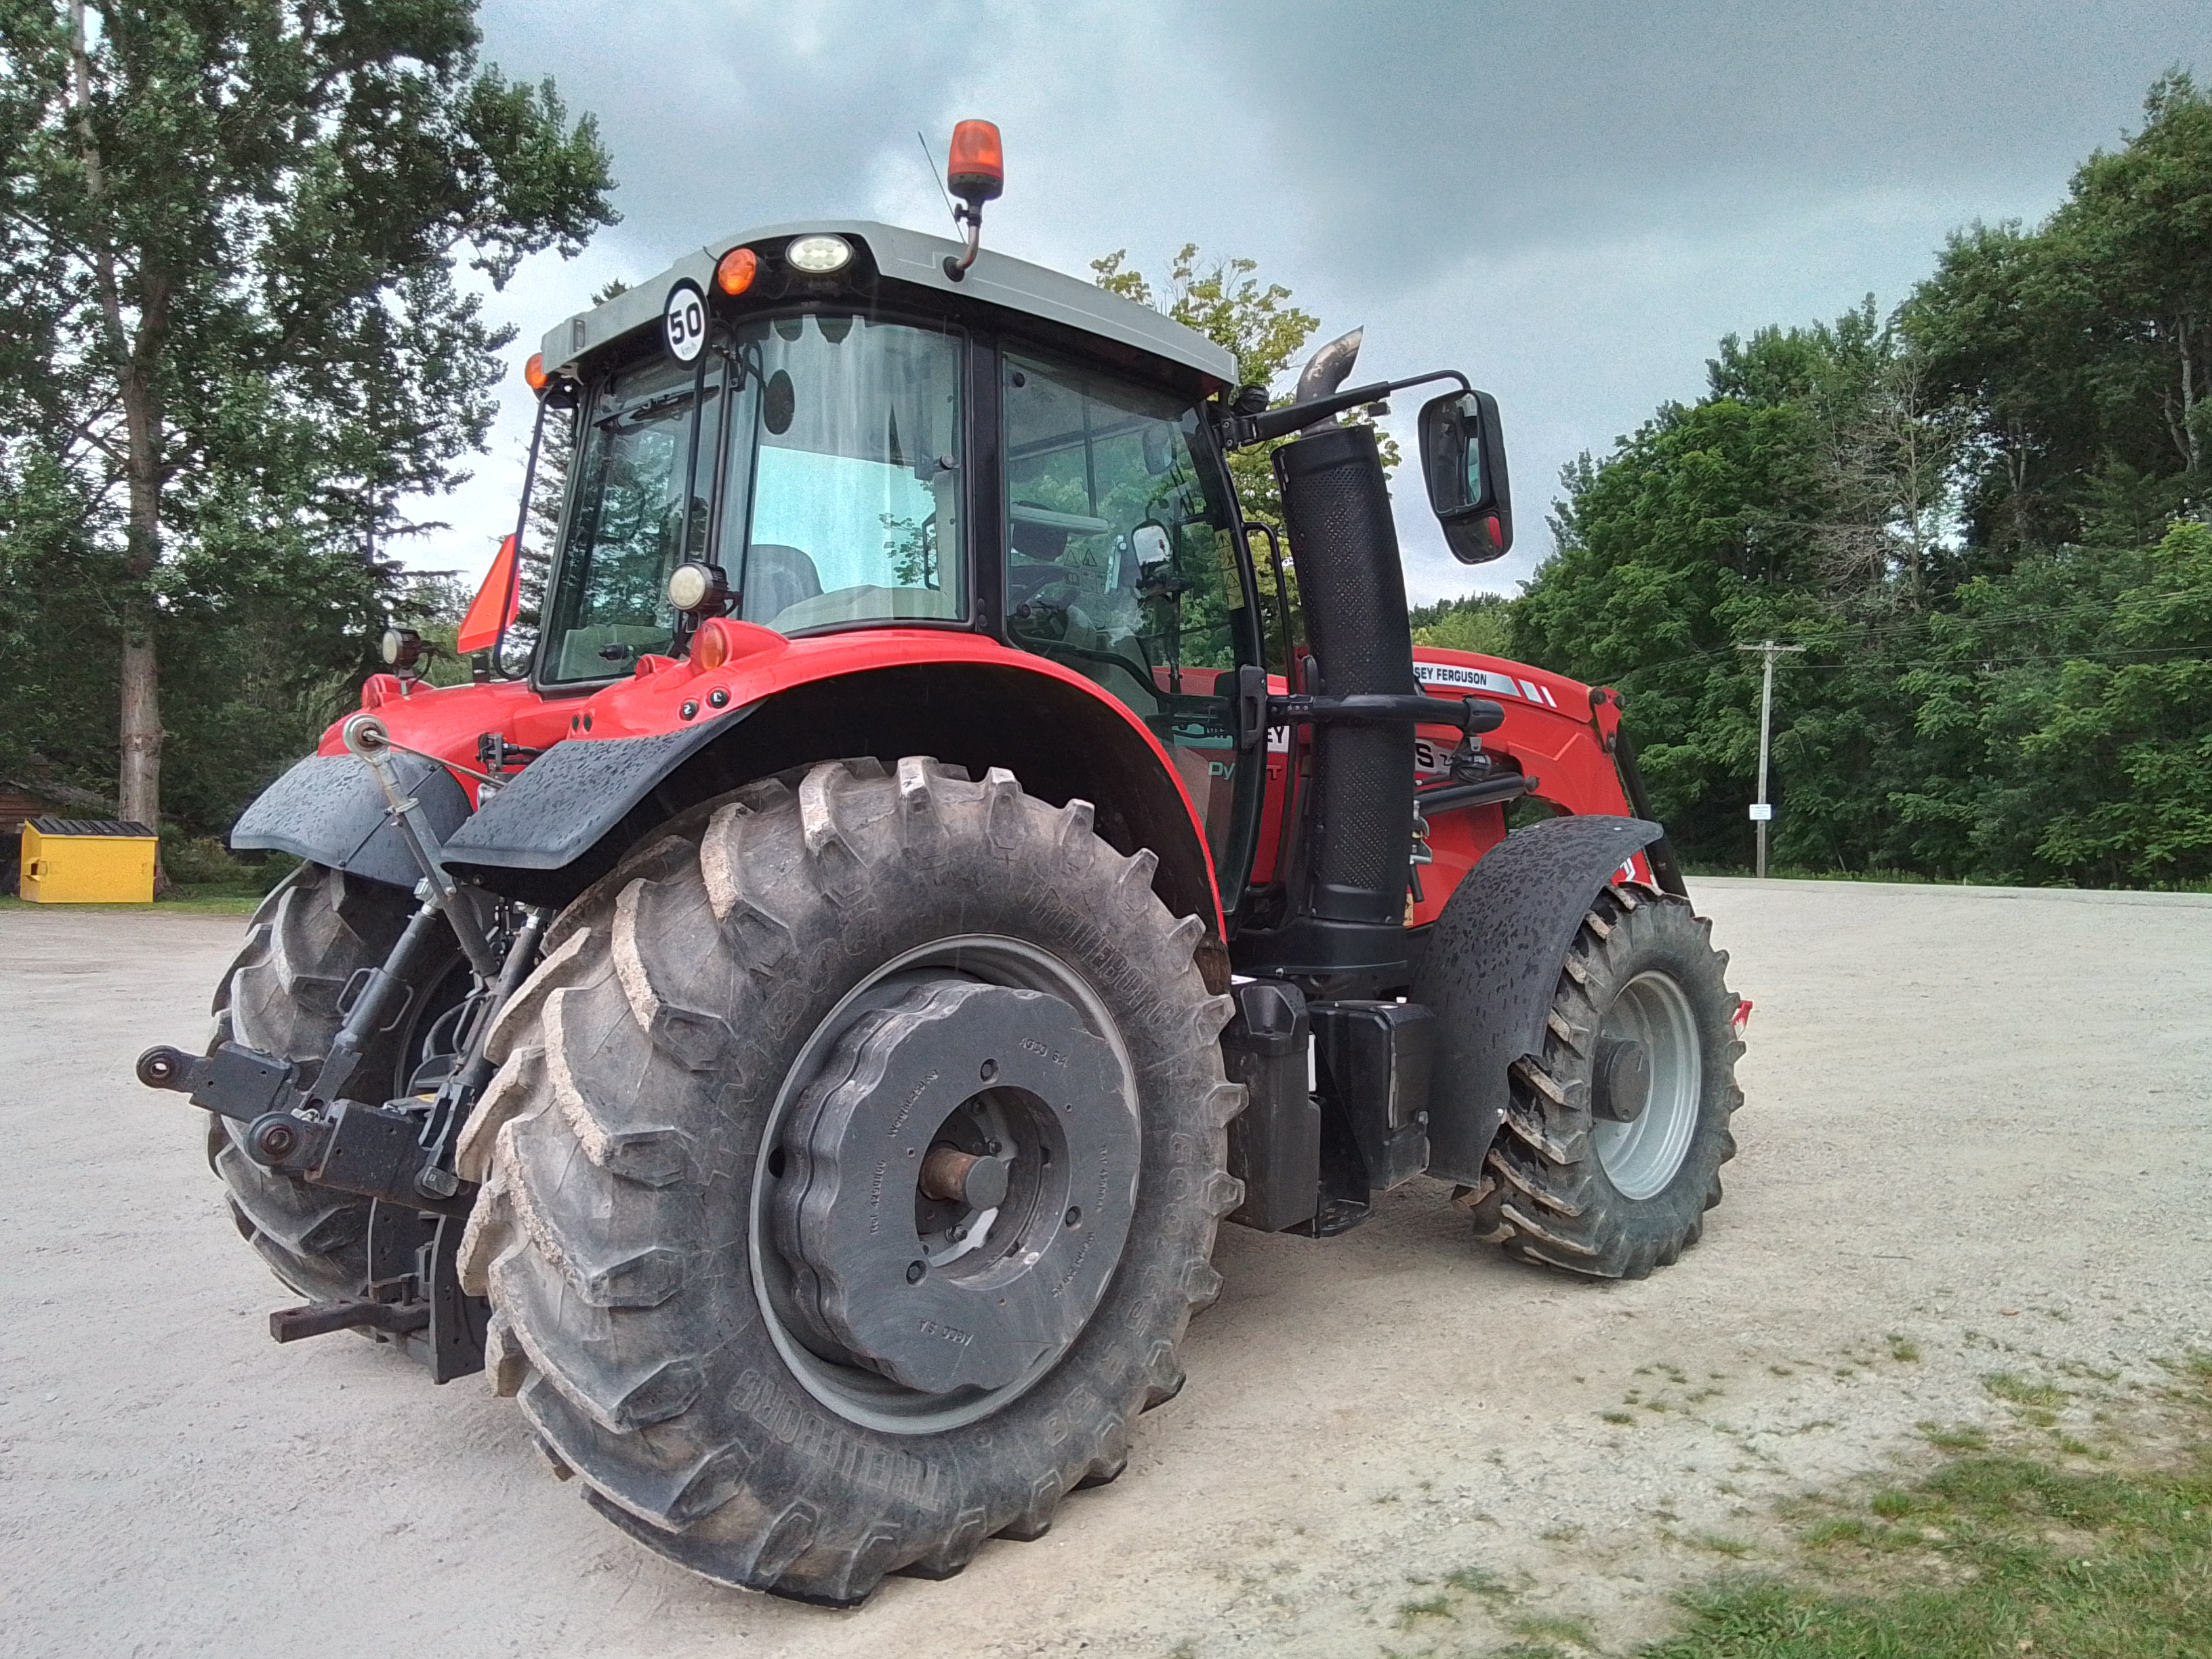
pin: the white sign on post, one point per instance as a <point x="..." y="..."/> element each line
<point x="683" y="322"/>
<point x="1761" y="811"/>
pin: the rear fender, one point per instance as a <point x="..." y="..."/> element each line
<point x="329" y="809"/>
<point x="1493" y="962"/>
<point x="566" y="819"/>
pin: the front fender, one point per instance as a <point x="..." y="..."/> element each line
<point x="329" y="809"/>
<point x="1490" y="966"/>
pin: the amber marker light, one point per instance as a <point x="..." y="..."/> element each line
<point x="710" y="645"/>
<point x="735" y="271"/>
<point x="533" y="372"/>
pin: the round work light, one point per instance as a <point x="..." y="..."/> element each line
<point x="693" y="587"/>
<point x="818" y="256"/>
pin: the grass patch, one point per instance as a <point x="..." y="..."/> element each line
<point x="1735" y="1548"/>
<point x="190" y="899"/>
<point x="1553" y="1628"/>
<point x="1434" y="1607"/>
<point x="2033" y="1402"/>
<point x="1903" y="1349"/>
<point x="1993" y="1554"/>
<point x="2041" y="1396"/>
<point x="1954" y="1437"/>
<point x="1481" y="1581"/>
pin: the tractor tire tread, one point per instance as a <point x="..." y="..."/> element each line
<point x="280" y="995"/>
<point x="1549" y="1200"/>
<point x="640" y="1359"/>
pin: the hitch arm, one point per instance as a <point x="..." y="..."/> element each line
<point x="234" y="1081"/>
<point x="366" y="740"/>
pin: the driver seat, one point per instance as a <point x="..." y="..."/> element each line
<point x="776" y="577"/>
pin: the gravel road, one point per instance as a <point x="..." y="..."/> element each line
<point x="1978" y="1132"/>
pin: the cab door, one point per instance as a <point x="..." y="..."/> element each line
<point x="1122" y="563"/>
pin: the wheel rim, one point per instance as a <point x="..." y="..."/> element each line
<point x="855" y="1391"/>
<point x="1640" y="1158"/>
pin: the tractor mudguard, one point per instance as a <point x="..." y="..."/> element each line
<point x="329" y="809"/>
<point x="1491" y="965"/>
<point x="565" y="819"/>
<point x="564" y="802"/>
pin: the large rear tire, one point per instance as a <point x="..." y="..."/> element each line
<point x="682" y="1118"/>
<point x="1613" y="1137"/>
<point x="306" y="942"/>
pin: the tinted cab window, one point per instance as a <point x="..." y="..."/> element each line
<point x="1121" y="563"/>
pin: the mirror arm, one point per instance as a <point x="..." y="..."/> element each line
<point x="1242" y="431"/>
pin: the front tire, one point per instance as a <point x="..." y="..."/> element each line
<point x="691" y="1267"/>
<point x="1613" y="1137"/>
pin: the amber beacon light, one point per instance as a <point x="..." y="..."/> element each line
<point x="976" y="174"/>
<point x="978" y="170"/>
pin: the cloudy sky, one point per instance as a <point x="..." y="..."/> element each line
<point x="1572" y="200"/>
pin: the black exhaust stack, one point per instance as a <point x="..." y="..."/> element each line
<point x="1346" y="927"/>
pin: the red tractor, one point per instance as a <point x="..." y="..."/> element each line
<point x="801" y="1030"/>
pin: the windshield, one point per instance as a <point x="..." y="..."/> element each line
<point x="839" y="488"/>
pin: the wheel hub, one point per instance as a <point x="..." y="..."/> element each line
<point x="1623" y="1080"/>
<point x="959" y="1182"/>
<point x="1647" y="1085"/>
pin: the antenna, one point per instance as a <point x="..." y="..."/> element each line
<point x="929" y="162"/>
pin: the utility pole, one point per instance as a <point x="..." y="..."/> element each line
<point x="1762" y="811"/>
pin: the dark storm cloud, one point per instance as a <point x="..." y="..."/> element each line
<point x="1445" y="126"/>
<point x="1572" y="200"/>
<point x="722" y="115"/>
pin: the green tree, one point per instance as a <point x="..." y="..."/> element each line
<point x="2084" y="347"/>
<point x="1694" y="535"/>
<point x="2137" y="719"/>
<point x="234" y="338"/>
<point x="1258" y="326"/>
<point x="1480" y="622"/>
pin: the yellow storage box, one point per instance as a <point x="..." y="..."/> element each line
<point x="88" y="862"/>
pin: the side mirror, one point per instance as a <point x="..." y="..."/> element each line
<point x="1463" y="458"/>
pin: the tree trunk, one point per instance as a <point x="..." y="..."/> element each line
<point x="2191" y="446"/>
<point x="138" y="792"/>
<point x="138" y="781"/>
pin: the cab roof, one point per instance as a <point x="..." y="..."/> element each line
<point x="911" y="257"/>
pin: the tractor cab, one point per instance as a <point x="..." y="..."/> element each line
<point x="816" y="430"/>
